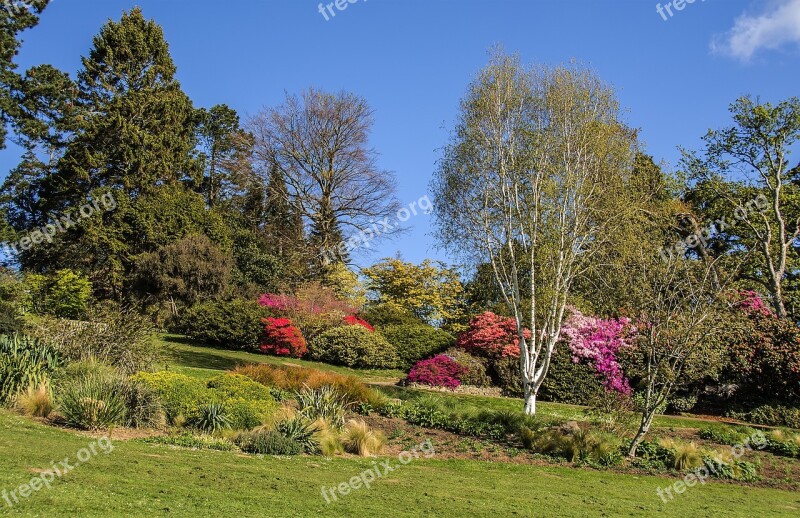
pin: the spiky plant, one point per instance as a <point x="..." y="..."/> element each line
<point x="212" y="418"/>
<point x="36" y="401"/>
<point x="359" y="439"/>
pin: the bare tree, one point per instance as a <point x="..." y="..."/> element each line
<point x="533" y="180"/>
<point x="320" y="143"/>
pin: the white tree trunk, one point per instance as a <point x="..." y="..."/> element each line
<point x="530" y="403"/>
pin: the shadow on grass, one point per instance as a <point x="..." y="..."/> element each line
<point x="212" y="359"/>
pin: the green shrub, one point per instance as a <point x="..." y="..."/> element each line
<point x="24" y="362"/>
<point x="414" y="342"/>
<point x="384" y="315"/>
<point x="92" y="402"/>
<point x="506" y="374"/>
<point x="728" y="435"/>
<point x="116" y="336"/>
<point x="14" y="301"/>
<point x="246" y="403"/>
<point x="180" y="395"/>
<point x="773" y="415"/>
<point x="193" y="441"/>
<point x="353" y="346"/>
<point x="143" y="406"/>
<point x="211" y="419"/>
<point x="300" y="431"/>
<point x="267" y="442"/>
<point x="685" y="455"/>
<point x="569" y="382"/>
<point x="731" y="469"/>
<point x="234" y="324"/>
<point x="474" y="367"/>
<point x="64" y="293"/>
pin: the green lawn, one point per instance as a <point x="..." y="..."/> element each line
<point x="181" y="354"/>
<point x="138" y="479"/>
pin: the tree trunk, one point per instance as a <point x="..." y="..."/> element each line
<point x="644" y="427"/>
<point x="530" y="402"/>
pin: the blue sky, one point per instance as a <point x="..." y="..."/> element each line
<point x="413" y="59"/>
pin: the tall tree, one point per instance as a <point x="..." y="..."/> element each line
<point x="319" y="142"/>
<point x="740" y="163"/>
<point x="224" y="147"/>
<point x="534" y="176"/>
<point x="15" y="18"/>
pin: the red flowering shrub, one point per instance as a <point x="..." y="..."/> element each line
<point x="491" y="336"/>
<point x="439" y="371"/>
<point x="282" y="338"/>
<point x="352" y="320"/>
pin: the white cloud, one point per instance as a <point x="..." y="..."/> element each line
<point x="777" y="26"/>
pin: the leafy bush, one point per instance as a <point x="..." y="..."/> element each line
<point x="491" y="336"/>
<point x="295" y="379"/>
<point x="353" y="346"/>
<point x="282" y="338"/>
<point x="116" y="336"/>
<point x="301" y="431"/>
<point x="267" y="442"/>
<point x="385" y="315"/>
<point x="180" y="395"/>
<point x="416" y="342"/>
<point x="234" y="324"/>
<point x="64" y="294"/>
<point x="474" y="368"/>
<point x="771" y="415"/>
<point x="730" y="469"/>
<point x="728" y="435"/>
<point x="14" y="301"/>
<point x="507" y="376"/>
<point x="568" y="381"/>
<point x="314" y="308"/>
<point x="359" y="439"/>
<point x="24" y="362"/>
<point x="577" y="444"/>
<point x="439" y="371"/>
<point x="245" y="403"/>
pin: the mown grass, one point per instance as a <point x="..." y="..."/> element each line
<point x="139" y="479"/>
<point x="184" y="355"/>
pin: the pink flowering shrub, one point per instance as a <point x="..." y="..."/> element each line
<point x="752" y="304"/>
<point x="439" y="371"/>
<point x="491" y="336"/>
<point x="598" y="341"/>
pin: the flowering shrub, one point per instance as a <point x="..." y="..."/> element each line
<point x="491" y="336"/>
<point x="314" y="308"/>
<point x="282" y="338"/>
<point x="752" y="304"/>
<point x="352" y="320"/>
<point x="598" y="341"/>
<point x="439" y="371"/>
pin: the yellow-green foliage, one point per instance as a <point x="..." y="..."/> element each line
<point x="358" y="439"/>
<point x="685" y="455"/>
<point x="246" y="402"/>
<point x="36" y="401"/>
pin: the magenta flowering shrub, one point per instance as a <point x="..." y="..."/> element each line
<point x="439" y="371"/>
<point x="752" y="304"/>
<point x="598" y="341"/>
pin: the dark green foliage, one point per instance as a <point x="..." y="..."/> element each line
<point x="383" y="315"/>
<point x="353" y="346"/>
<point x="185" y="271"/>
<point x="14" y="298"/>
<point x="569" y="382"/>
<point x="727" y="435"/>
<point x="267" y="442"/>
<point x="143" y="406"/>
<point x="234" y="324"/>
<point x="300" y="431"/>
<point x="736" y="470"/>
<point x="24" y="362"/>
<point x="415" y="342"/>
<point x="506" y="375"/>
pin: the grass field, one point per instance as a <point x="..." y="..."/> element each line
<point x="138" y="479"/>
<point x="142" y="479"/>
